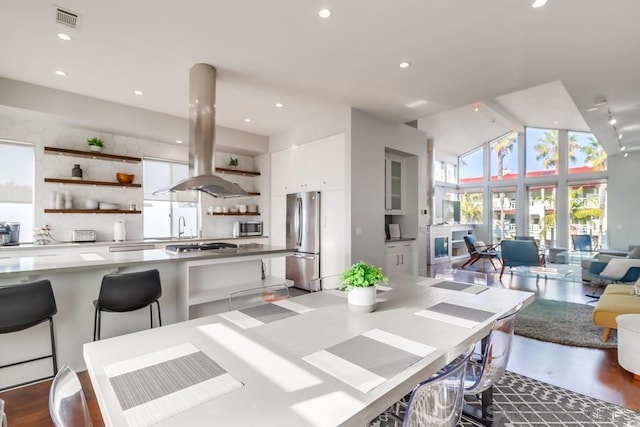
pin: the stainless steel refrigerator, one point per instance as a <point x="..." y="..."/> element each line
<point x="303" y="233"/>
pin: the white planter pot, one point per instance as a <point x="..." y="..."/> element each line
<point x="95" y="148"/>
<point x="362" y="299"/>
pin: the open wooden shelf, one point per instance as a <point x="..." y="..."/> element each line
<point x="234" y="214"/>
<point x="90" y="182"/>
<point x="95" y="211"/>
<point x="237" y="172"/>
<point x="91" y="154"/>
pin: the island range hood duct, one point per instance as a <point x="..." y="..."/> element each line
<point x="202" y="123"/>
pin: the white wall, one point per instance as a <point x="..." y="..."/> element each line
<point x="369" y="137"/>
<point x="624" y="204"/>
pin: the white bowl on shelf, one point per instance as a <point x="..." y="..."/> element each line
<point x="91" y="204"/>
<point x="109" y="206"/>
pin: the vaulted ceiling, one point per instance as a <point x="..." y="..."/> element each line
<point x="540" y="67"/>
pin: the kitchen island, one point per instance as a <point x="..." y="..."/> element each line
<point x="193" y="284"/>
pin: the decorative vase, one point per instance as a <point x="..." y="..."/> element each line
<point x="76" y="172"/>
<point x="362" y="299"/>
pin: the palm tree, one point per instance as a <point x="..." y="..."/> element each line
<point x="471" y="208"/>
<point x="547" y="149"/>
<point x="595" y="156"/>
<point x="501" y="147"/>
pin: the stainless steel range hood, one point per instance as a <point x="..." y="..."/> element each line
<point x="202" y="124"/>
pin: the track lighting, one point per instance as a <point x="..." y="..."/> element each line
<point x="612" y="120"/>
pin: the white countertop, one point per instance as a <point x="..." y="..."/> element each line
<point x="92" y="258"/>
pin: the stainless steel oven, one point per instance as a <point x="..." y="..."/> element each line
<point x="247" y="228"/>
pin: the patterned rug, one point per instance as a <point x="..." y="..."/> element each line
<point x="523" y="401"/>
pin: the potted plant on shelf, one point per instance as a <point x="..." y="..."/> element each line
<point x="359" y="282"/>
<point x="233" y="161"/>
<point x="95" y="144"/>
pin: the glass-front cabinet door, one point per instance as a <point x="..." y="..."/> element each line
<point x="394" y="186"/>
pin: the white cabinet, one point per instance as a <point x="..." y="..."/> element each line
<point x="394" y="185"/>
<point x="317" y="166"/>
<point x="398" y="258"/>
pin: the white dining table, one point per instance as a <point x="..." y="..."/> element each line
<point x="311" y="361"/>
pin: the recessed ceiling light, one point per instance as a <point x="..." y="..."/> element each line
<point x="619" y="136"/>
<point x="625" y="154"/>
<point x="612" y="120"/>
<point x="539" y="3"/>
<point x="405" y="64"/>
<point x="63" y="36"/>
<point x="138" y="92"/>
<point x="622" y="148"/>
<point x="60" y="73"/>
<point x="592" y="109"/>
<point x="324" y="13"/>
<point x="279" y="104"/>
<point x="178" y="141"/>
<point x="247" y="120"/>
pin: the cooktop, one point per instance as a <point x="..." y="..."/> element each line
<point x="190" y="247"/>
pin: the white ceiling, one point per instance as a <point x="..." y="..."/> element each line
<point x="524" y="66"/>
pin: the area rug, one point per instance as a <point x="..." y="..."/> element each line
<point x="562" y="323"/>
<point x="523" y="401"/>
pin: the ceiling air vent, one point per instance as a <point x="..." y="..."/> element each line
<point x="67" y="18"/>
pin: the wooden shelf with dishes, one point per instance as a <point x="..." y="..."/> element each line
<point x="96" y="211"/>
<point x="237" y="172"/>
<point x="90" y="182"/>
<point x="234" y="213"/>
<point x="91" y="155"/>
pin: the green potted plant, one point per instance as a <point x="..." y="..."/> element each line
<point x="359" y="282"/>
<point x="95" y="144"/>
<point x="233" y="161"/>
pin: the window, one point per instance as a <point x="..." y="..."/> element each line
<point x="163" y="211"/>
<point x="541" y="152"/>
<point x="452" y="173"/>
<point x="587" y="211"/>
<point x="16" y="186"/>
<point x="542" y="214"/>
<point x="504" y="157"/>
<point x="472" y="166"/>
<point x="503" y="205"/>
<point x="585" y="153"/>
<point x="471" y="207"/>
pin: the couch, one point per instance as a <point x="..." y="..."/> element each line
<point x="616" y="300"/>
<point x="603" y="255"/>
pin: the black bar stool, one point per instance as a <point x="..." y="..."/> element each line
<point x="23" y="306"/>
<point x="127" y="292"/>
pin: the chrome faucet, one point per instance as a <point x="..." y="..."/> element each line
<point x="182" y="221"/>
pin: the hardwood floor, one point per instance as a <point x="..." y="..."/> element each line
<point x="592" y="372"/>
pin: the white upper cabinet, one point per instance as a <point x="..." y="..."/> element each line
<point x="394" y="185"/>
<point x="316" y="166"/>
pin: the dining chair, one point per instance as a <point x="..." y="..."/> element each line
<point x="437" y="401"/>
<point x="487" y="365"/>
<point x="126" y="292"/>
<point x="67" y="403"/>
<point x="3" y="416"/>
<point x="257" y="296"/>
<point x="26" y="305"/>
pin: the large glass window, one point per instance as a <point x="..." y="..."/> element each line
<point x="504" y="157"/>
<point x="16" y="186"/>
<point x="585" y="153"/>
<point x="503" y="203"/>
<point x="471" y="167"/>
<point x="471" y="207"/>
<point x="542" y="214"/>
<point x="162" y="212"/>
<point x="541" y="152"/>
<point x="588" y="211"/>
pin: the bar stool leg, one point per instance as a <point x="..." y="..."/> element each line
<point x="54" y="356"/>
<point x="159" y="316"/>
